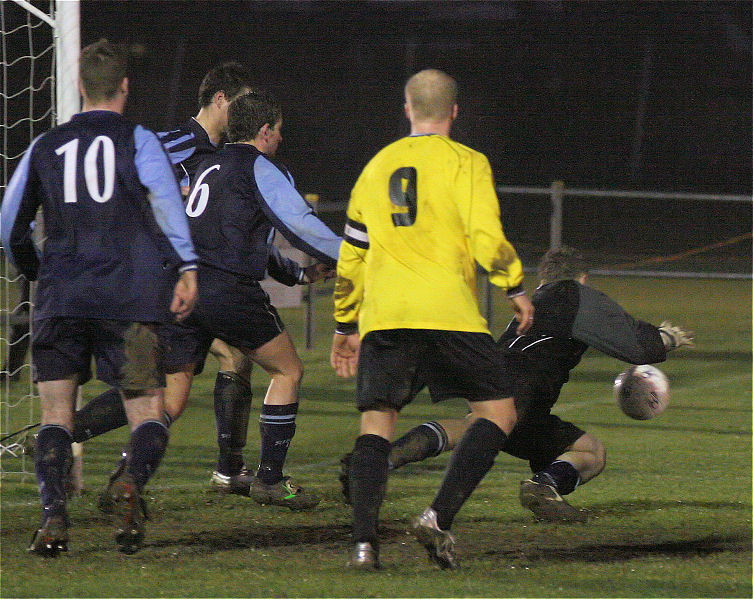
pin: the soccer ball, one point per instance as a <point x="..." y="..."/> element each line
<point x="642" y="392"/>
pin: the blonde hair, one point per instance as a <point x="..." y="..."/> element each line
<point x="431" y="95"/>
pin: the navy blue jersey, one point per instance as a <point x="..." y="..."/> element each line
<point x="237" y="199"/>
<point x="187" y="146"/>
<point x="116" y="233"/>
<point x="569" y="318"/>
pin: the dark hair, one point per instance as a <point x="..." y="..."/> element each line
<point x="247" y="114"/>
<point x="562" y="263"/>
<point x="102" y="67"/>
<point x="229" y="77"/>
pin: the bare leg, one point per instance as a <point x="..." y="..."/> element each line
<point x="279" y="359"/>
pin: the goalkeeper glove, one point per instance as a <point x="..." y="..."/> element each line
<point x="674" y="337"/>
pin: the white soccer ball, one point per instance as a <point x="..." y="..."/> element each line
<point x="642" y="392"/>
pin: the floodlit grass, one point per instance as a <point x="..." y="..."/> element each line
<point x="671" y="513"/>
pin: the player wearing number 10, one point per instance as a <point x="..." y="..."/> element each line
<point x="421" y="213"/>
<point x="117" y="239"/>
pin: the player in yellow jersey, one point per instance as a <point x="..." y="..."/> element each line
<point x="422" y="213"/>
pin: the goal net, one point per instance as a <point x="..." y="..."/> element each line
<point x="39" y="88"/>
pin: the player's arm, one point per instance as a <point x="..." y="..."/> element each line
<point x="288" y="272"/>
<point x="292" y="216"/>
<point x="19" y="209"/>
<point x="349" y="293"/>
<point x="603" y="324"/>
<point x="155" y="173"/>
<point x="480" y="210"/>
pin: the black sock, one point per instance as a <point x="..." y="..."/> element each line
<point x="424" y="441"/>
<point x="469" y="463"/>
<point x="232" y="408"/>
<point x="561" y="475"/>
<point x="100" y="415"/>
<point x="52" y="461"/>
<point x="277" y="424"/>
<point x="368" y="482"/>
<point x="148" y="443"/>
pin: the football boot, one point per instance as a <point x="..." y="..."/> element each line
<point x="547" y="504"/>
<point x="440" y="544"/>
<point x="52" y="538"/>
<point x="282" y="493"/>
<point x="364" y="557"/>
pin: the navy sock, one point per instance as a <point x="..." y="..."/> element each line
<point x="100" y="415"/>
<point x="368" y="483"/>
<point x="561" y="475"/>
<point x="469" y="463"/>
<point x="52" y="461"/>
<point x="277" y="424"/>
<point x="232" y="409"/>
<point x="424" y="441"/>
<point x="148" y="443"/>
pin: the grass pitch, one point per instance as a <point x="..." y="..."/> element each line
<point x="671" y="512"/>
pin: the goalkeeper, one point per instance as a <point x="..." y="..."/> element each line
<point x="571" y="317"/>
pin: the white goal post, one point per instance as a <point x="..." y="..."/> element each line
<point x="40" y="50"/>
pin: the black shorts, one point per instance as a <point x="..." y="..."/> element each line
<point x="127" y="354"/>
<point x="235" y="311"/>
<point x="538" y="436"/>
<point x="396" y="364"/>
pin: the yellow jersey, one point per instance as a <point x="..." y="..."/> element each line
<point x="422" y="211"/>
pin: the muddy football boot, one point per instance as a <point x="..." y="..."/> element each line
<point x="50" y="539"/>
<point x="547" y="505"/>
<point x="282" y="493"/>
<point x="130" y="513"/>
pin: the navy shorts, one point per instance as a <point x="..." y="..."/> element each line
<point x="396" y="364"/>
<point x="234" y="310"/>
<point x="127" y="354"/>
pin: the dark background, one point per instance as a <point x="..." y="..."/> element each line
<point x="610" y="95"/>
<point x="626" y="95"/>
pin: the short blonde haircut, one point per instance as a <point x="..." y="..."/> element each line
<point x="431" y="95"/>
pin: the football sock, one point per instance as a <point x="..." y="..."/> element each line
<point x="427" y="440"/>
<point x="277" y="424"/>
<point x="368" y="482"/>
<point x="148" y="443"/>
<point x="52" y="461"/>
<point x="561" y="475"/>
<point x="469" y="463"/>
<point x="100" y="415"/>
<point x="232" y="409"/>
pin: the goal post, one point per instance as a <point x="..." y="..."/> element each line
<point x="40" y="53"/>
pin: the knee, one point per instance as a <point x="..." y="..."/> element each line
<point x="601" y="456"/>
<point x="597" y="449"/>
<point x="293" y="371"/>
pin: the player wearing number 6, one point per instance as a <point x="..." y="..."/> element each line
<point x="423" y="212"/>
<point x="117" y="261"/>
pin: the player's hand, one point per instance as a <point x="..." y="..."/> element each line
<point x="524" y="313"/>
<point x="184" y="296"/>
<point x="319" y="271"/>
<point x="344" y="356"/>
<point x="674" y="337"/>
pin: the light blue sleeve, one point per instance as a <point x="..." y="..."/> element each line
<point x="291" y="214"/>
<point x="156" y="174"/>
<point x="14" y="194"/>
